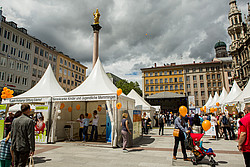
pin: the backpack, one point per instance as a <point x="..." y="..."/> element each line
<point x="224" y="120"/>
<point x="161" y="120"/>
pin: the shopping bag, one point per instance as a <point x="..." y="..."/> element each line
<point x="31" y="162"/>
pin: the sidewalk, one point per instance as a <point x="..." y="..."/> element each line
<point x="152" y="151"/>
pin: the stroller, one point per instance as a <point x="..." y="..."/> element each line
<point x="195" y="145"/>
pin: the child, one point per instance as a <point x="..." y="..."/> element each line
<point x="5" y="154"/>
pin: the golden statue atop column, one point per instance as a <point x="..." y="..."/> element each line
<point x="96" y="16"/>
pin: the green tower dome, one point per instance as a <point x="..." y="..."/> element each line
<point x="219" y="44"/>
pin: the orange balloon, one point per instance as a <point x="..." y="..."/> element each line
<point x="8" y="95"/>
<point x="99" y="108"/>
<point x="78" y="107"/>
<point x="5" y="88"/>
<point x="11" y="91"/>
<point x="212" y="110"/>
<point x="7" y="91"/>
<point x="201" y="109"/>
<point x="3" y="96"/>
<point x="217" y="104"/>
<point x="119" y="91"/>
<point x="118" y="105"/>
<point x="183" y="111"/>
<point x="3" y="92"/>
<point x="205" y="107"/>
<point x="62" y="106"/>
<point x="70" y="109"/>
<point x="215" y="109"/>
<point x="89" y="115"/>
<point x="206" y="125"/>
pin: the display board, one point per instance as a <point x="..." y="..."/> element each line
<point x="137" y="129"/>
<point x="1" y="129"/>
<point x="41" y="112"/>
<point x="211" y="131"/>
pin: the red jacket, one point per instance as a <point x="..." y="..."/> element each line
<point x="245" y="121"/>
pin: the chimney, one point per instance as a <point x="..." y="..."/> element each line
<point x="155" y="64"/>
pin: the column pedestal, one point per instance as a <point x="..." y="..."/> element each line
<point x="96" y="28"/>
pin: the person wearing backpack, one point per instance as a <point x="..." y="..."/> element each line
<point x="161" y="123"/>
<point x="224" y="122"/>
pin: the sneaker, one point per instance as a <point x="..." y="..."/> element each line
<point x="187" y="159"/>
<point x="174" y="158"/>
<point x="125" y="150"/>
<point x="84" y="141"/>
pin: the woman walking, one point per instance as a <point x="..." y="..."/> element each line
<point x="80" y="119"/>
<point x="180" y="124"/>
<point x="125" y="131"/>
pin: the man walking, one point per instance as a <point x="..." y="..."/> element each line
<point x="161" y="123"/>
<point x="94" y="127"/>
<point x="23" y="137"/>
<point x="225" y="124"/>
<point x="244" y="138"/>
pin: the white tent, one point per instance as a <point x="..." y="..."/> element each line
<point x="214" y="101"/>
<point x="96" y="89"/>
<point x="17" y="107"/>
<point x="244" y="94"/>
<point x="46" y="88"/>
<point x="235" y="91"/>
<point x="210" y="99"/>
<point x="223" y="95"/>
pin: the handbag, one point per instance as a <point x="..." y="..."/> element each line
<point x="176" y="132"/>
<point x="31" y="162"/>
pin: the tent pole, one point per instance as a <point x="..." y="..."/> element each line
<point x="86" y="107"/>
<point x="51" y="107"/>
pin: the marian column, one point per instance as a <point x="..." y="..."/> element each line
<point x="96" y="27"/>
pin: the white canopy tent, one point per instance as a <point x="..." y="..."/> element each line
<point x="245" y="94"/>
<point x="235" y="91"/>
<point x="214" y="101"/>
<point x="210" y="99"/>
<point x="97" y="89"/>
<point x="17" y="107"/>
<point x="223" y="95"/>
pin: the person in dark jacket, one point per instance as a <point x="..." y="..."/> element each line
<point x="23" y="137"/>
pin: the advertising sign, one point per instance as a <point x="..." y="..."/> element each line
<point x="211" y="131"/>
<point x="191" y="102"/>
<point x="1" y="129"/>
<point x="137" y="129"/>
<point x="40" y="128"/>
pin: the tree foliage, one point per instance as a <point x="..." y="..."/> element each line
<point x="128" y="86"/>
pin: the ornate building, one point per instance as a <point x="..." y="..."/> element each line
<point x="239" y="32"/>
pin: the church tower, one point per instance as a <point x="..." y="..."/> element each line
<point x="235" y="29"/>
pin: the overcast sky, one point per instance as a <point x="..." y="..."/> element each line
<point x="135" y="34"/>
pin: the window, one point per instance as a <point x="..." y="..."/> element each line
<point x="146" y="74"/>
<point x="60" y="70"/>
<point x="195" y="85"/>
<point x="5" y="48"/>
<point x="156" y="81"/>
<point x="180" y="79"/>
<point x="188" y="78"/>
<point x="79" y="69"/>
<point x="166" y="80"/>
<point x="181" y="87"/>
<point x="187" y="70"/>
<point x="41" y="52"/>
<point x="219" y="84"/>
<point x="202" y="85"/>
<point x="73" y="66"/>
<point x="2" y="76"/>
<point x="25" y="68"/>
<point x="73" y="74"/>
<point x="72" y="83"/>
<point x="25" y="81"/>
<point x="147" y="89"/>
<point x="189" y="93"/>
<point x="39" y="74"/>
<point x="213" y="76"/>
<point x="194" y="78"/>
<point x="203" y="102"/>
<point x="156" y="88"/>
<point x="83" y="71"/>
<point x="161" y="88"/>
<point x="165" y="73"/>
<point x="180" y="71"/>
<point x="18" y="66"/>
<point x="50" y="58"/>
<point x="61" y="61"/>
<point x="40" y="62"/>
<point x="65" y="72"/>
<point x="27" y="56"/>
<point x="229" y="74"/>
<point x="171" y="87"/>
<point x="200" y="69"/>
<point x="194" y="69"/>
<point x="76" y="68"/>
<point x="170" y="72"/>
<point x="60" y="79"/>
<point x="54" y="58"/>
<point x="10" y="78"/>
<point x="64" y="80"/>
<point x="175" y="72"/>
<point x="68" y="82"/>
<point x="65" y="62"/>
<point x="160" y="73"/>
<point x="188" y="85"/>
<point x="175" y="80"/>
<point x="34" y="72"/>
<point x="214" y="84"/>
<point x="69" y="73"/>
<point x="208" y="84"/>
<point x="176" y="87"/>
<point x="35" y="61"/>
<point x="170" y="80"/>
<point x="218" y="76"/>
<point x="207" y="69"/>
<point x="36" y="49"/>
<point x="202" y="93"/>
<point x="201" y="77"/>
<point x="212" y="68"/>
<point x="151" y="81"/>
<point x="79" y="77"/>
<point x="151" y="88"/>
<point x="76" y="76"/>
<point x="161" y="80"/>
<point x="3" y="61"/>
<point x="82" y="78"/>
<point x="196" y="103"/>
<point x="45" y="65"/>
<point x="46" y="55"/>
<point x="208" y="76"/>
<point x="12" y="64"/>
<point x="69" y="64"/>
<point x="166" y="87"/>
<point x="156" y="73"/>
<point x="196" y="93"/>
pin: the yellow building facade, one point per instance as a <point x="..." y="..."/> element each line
<point x="69" y="72"/>
<point x="161" y="79"/>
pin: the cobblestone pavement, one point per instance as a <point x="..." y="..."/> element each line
<point x="152" y="151"/>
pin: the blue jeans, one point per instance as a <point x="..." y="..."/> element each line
<point x="94" y="130"/>
<point x="85" y="133"/>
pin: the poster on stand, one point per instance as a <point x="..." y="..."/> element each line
<point x="211" y="131"/>
<point x="41" y="112"/>
<point x="2" y="110"/>
<point x="137" y="129"/>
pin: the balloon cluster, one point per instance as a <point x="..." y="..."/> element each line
<point x="119" y="92"/>
<point x="7" y="93"/>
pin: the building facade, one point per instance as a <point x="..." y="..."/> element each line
<point x="24" y="59"/>
<point x="69" y="73"/>
<point x="239" y="49"/>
